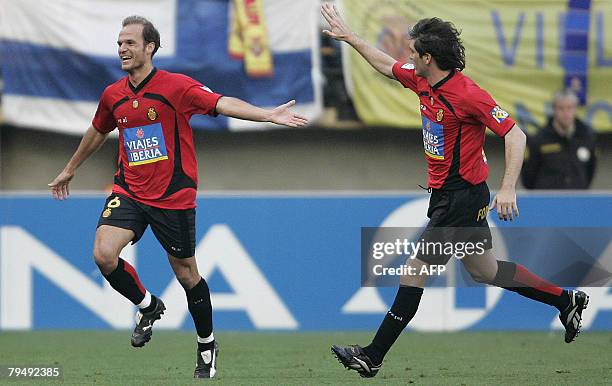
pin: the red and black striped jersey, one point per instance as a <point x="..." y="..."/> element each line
<point x="157" y="163"/>
<point x="455" y="113"/>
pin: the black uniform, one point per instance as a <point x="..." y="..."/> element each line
<point x="556" y="162"/>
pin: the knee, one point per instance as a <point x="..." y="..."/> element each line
<point x="187" y="277"/>
<point x="105" y="258"/>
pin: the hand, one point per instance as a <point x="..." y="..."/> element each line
<point x="59" y="186"/>
<point x="505" y="202"/>
<point x="338" y="28"/>
<point x="281" y="115"/>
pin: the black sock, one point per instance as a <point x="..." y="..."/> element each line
<point x="198" y="301"/>
<point x="124" y="280"/>
<point x="516" y="278"/>
<point x="402" y="311"/>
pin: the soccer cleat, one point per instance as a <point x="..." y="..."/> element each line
<point x="571" y="317"/>
<point x="144" y="324"/>
<point x="353" y="358"/>
<point x="206" y="364"/>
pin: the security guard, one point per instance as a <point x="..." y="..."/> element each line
<point x="562" y="154"/>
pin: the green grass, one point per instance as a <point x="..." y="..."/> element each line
<point x="490" y="358"/>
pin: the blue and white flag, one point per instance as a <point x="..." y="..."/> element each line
<point x="57" y="56"/>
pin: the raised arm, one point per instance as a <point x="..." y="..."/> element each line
<point x="381" y="62"/>
<point x="505" y="200"/>
<point x="92" y="140"/>
<point x="281" y="115"/>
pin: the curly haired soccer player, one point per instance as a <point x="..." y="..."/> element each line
<point x="157" y="177"/>
<point x="455" y="113"/>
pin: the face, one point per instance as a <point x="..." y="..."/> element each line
<point x="564" y="112"/>
<point x="133" y="52"/>
<point x="420" y="62"/>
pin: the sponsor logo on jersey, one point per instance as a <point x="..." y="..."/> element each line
<point x="499" y="114"/>
<point x="440" y="115"/>
<point x="433" y="138"/>
<point x="145" y="144"/>
<point x="135" y="104"/>
<point x="152" y="114"/>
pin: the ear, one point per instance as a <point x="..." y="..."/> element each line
<point x="149" y="48"/>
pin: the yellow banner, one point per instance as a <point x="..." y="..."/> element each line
<point x="513" y="50"/>
<point x="248" y="38"/>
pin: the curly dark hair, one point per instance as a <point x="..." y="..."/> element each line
<point x="441" y="40"/>
<point x="149" y="32"/>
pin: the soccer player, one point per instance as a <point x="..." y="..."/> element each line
<point x="455" y="112"/>
<point x="156" y="180"/>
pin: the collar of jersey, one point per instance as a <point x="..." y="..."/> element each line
<point x="443" y="80"/>
<point x="144" y="82"/>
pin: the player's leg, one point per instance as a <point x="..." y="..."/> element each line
<point x="514" y="277"/>
<point x="368" y="360"/>
<point x="484" y="268"/>
<point x="200" y="308"/>
<point x="120" y="223"/>
<point x="175" y="230"/>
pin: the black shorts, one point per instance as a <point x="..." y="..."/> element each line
<point x="173" y="228"/>
<point x="458" y="216"/>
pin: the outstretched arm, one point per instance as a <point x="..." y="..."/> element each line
<point x="381" y="62"/>
<point x="505" y="200"/>
<point x="92" y="140"/>
<point x="281" y="115"/>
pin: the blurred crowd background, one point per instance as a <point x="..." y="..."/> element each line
<point x="364" y="132"/>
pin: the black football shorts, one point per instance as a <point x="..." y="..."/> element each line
<point x="173" y="228"/>
<point x="459" y="217"/>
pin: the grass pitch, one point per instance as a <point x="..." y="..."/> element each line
<point x="489" y="358"/>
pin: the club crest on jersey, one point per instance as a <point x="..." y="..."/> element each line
<point x="499" y="114"/>
<point x="440" y="115"/>
<point x="152" y="114"/>
<point x="135" y="104"/>
<point x="145" y="144"/>
<point x="433" y="139"/>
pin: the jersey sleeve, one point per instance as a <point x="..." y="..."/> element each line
<point x="480" y="105"/>
<point x="104" y="121"/>
<point x="405" y="74"/>
<point x="199" y="99"/>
